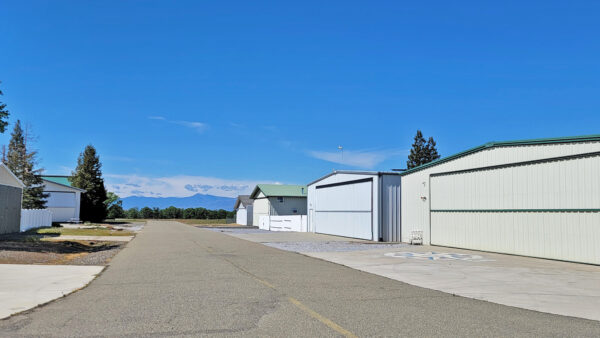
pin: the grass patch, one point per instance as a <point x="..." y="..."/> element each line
<point x="98" y="231"/>
<point x="202" y="221"/>
<point x="119" y="221"/>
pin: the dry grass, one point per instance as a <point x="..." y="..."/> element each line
<point x="97" y="231"/>
<point x="205" y="222"/>
<point x="14" y="250"/>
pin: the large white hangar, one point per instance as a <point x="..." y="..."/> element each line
<point x="537" y="198"/>
<point x="357" y="204"/>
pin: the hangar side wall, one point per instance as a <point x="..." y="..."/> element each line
<point x="10" y="209"/>
<point x="390" y="192"/>
<point x="547" y="209"/>
<point x="288" y="206"/>
<point x="415" y="195"/>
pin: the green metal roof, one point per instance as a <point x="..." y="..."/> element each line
<point x="571" y="139"/>
<point x="64" y="180"/>
<point x="272" y="190"/>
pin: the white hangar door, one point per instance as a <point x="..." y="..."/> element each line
<point x="241" y="216"/>
<point x="345" y="209"/>
<point x="62" y="205"/>
<point x="548" y="208"/>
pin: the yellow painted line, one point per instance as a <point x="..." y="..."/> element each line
<point x="264" y="282"/>
<point x="296" y="302"/>
<point x="320" y="318"/>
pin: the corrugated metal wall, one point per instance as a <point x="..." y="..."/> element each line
<point x="390" y="208"/>
<point x="548" y="209"/>
<point x="10" y="209"/>
<point x="415" y="186"/>
<point x="288" y="206"/>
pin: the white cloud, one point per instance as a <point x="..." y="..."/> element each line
<point x="177" y="186"/>
<point x="198" y="126"/>
<point x="359" y="159"/>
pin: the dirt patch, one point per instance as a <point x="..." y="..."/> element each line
<point x="57" y="253"/>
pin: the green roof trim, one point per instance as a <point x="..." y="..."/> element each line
<point x="64" y="180"/>
<point x="274" y="190"/>
<point x="514" y="210"/>
<point x="494" y="144"/>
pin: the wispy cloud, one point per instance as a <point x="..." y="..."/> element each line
<point x="198" y="126"/>
<point x="367" y="159"/>
<point x="177" y="186"/>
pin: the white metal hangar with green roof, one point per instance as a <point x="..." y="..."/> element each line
<point x="278" y="200"/>
<point x="538" y="198"/>
<point x="64" y="200"/>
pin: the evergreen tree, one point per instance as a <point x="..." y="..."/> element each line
<point x="432" y="153"/>
<point x="88" y="176"/>
<point x="3" y="116"/>
<point x="418" y="152"/>
<point x="22" y="162"/>
<point x="422" y="152"/>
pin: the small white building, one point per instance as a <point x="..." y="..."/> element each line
<point x="537" y="198"/>
<point x="11" y="195"/>
<point x="356" y="204"/>
<point x="64" y="201"/>
<point x="278" y="200"/>
<point x="243" y="210"/>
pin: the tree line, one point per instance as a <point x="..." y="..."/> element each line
<point x="170" y="212"/>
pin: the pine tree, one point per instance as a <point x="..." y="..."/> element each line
<point x="418" y="152"/>
<point x="432" y="153"/>
<point x="3" y="116"/>
<point x="22" y="162"/>
<point x="422" y="152"/>
<point x="88" y="176"/>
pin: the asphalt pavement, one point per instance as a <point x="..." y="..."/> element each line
<point x="178" y="280"/>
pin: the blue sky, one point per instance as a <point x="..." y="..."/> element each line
<point x="218" y="96"/>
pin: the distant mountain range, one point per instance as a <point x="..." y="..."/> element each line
<point x="195" y="201"/>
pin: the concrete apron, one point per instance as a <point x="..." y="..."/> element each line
<point x="23" y="287"/>
<point x="562" y="288"/>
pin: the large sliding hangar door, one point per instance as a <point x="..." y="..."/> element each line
<point x="356" y="204"/>
<point x="547" y="208"/>
<point x="345" y="209"/>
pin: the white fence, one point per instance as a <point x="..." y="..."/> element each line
<point x="35" y="218"/>
<point x="283" y="223"/>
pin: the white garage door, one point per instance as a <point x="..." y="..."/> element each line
<point x="345" y="209"/>
<point x="548" y="209"/>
